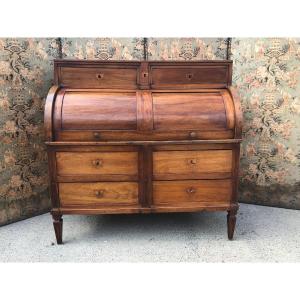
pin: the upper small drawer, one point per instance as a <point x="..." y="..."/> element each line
<point x="193" y="76"/>
<point x="99" y="77"/>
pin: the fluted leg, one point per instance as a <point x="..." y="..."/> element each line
<point x="58" y="226"/>
<point x="231" y="220"/>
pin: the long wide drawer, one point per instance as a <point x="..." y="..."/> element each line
<point x="99" y="193"/>
<point x="205" y="164"/>
<point x="93" y="163"/>
<point x="192" y="192"/>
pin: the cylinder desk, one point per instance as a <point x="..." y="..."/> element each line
<point x="142" y="137"/>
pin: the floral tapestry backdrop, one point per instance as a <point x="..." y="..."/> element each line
<point x="266" y="73"/>
<point x="186" y="48"/>
<point x="267" y="76"/>
<point x="103" y="48"/>
<point x="25" y="77"/>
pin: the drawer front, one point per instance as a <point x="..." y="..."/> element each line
<point x="93" y="163"/>
<point x="192" y="192"/>
<point x="188" y="76"/>
<point x="205" y="164"/>
<point x="99" y="77"/>
<point x="100" y="193"/>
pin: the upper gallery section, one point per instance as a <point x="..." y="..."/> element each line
<point x="132" y="75"/>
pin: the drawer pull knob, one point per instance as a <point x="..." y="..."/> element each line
<point x="96" y="135"/>
<point x="191" y="190"/>
<point x="189" y="76"/>
<point x="193" y="161"/>
<point x="193" y="134"/>
<point x="100" y="75"/>
<point x="97" y="163"/>
<point x="99" y="193"/>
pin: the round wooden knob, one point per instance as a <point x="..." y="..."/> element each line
<point x="191" y="190"/>
<point x="96" y="135"/>
<point x="193" y="161"/>
<point x="97" y="163"/>
<point x="193" y="134"/>
<point x="99" y="193"/>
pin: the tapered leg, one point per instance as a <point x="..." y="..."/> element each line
<point x="231" y="220"/>
<point x="58" y="226"/>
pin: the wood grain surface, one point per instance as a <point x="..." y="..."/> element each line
<point x="108" y="193"/>
<point x="81" y="163"/>
<point x="192" y="164"/>
<point x="191" y="192"/>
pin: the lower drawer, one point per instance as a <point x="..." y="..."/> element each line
<point x="98" y="193"/>
<point x="192" y="192"/>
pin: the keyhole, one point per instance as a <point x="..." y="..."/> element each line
<point x="145" y="74"/>
<point x="189" y="76"/>
<point x="100" y="76"/>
